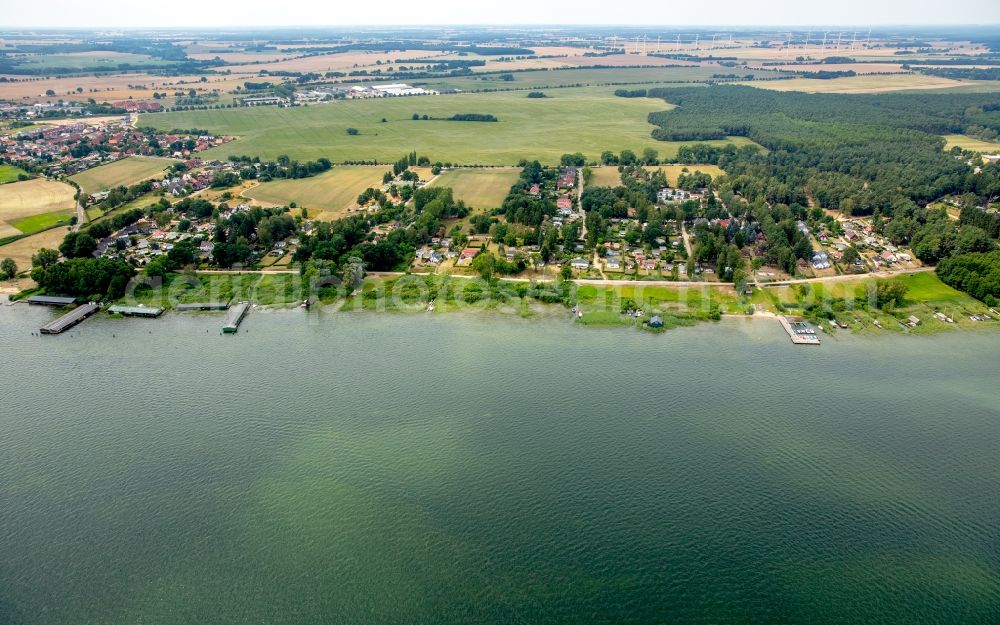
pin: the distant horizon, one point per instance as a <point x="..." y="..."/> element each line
<point x="500" y="25"/>
<point x="107" y="15"/>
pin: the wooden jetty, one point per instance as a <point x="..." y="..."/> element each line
<point x="204" y="306"/>
<point x="800" y="333"/>
<point x="136" y="311"/>
<point x="50" y="300"/>
<point x="70" y="319"/>
<point x="235" y="316"/>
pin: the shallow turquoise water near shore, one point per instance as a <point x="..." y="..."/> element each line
<point x="378" y="468"/>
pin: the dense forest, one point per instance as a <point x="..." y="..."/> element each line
<point x="858" y="153"/>
<point x="977" y="274"/>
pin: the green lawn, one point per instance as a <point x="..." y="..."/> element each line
<point x="263" y="289"/>
<point x="43" y="221"/>
<point x="925" y="295"/>
<point x="9" y="173"/>
<point x="588" y="120"/>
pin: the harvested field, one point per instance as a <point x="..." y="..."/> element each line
<point x="34" y="197"/>
<point x="859" y="68"/>
<point x="969" y="143"/>
<point x="861" y="84"/>
<point x="113" y="87"/>
<point x="588" y="120"/>
<point x="124" y="172"/>
<point x="673" y="172"/>
<point x="479" y="188"/>
<point x="341" y="61"/>
<point x="608" y="176"/>
<point x="22" y="249"/>
<point x="327" y="196"/>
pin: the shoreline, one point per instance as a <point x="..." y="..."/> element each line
<point x="531" y="309"/>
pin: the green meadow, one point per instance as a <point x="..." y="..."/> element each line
<point x="587" y="120"/>
<point x="9" y="173"/>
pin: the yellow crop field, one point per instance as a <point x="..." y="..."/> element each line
<point x="327" y="196"/>
<point x="125" y="172"/>
<point x="860" y="84"/>
<point x="608" y="176"/>
<point x="479" y="188"/>
<point x="32" y="197"/>
<point x="969" y="143"/>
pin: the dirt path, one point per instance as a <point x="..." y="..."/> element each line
<point x="687" y="240"/>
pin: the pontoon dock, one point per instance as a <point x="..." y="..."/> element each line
<point x="50" y="300"/>
<point x="204" y="306"/>
<point x="136" y="311"/>
<point x="235" y="316"/>
<point x="70" y="319"/>
<point x="800" y="333"/>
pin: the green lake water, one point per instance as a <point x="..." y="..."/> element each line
<point x="379" y="468"/>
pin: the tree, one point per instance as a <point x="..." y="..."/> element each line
<point x="650" y="156"/>
<point x="78" y="245"/>
<point x="627" y="157"/>
<point x="851" y="255"/>
<point x="485" y="264"/>
<point x="352" y="131"/>
<point x="8" y="268"/>
<point x="889" y="293"/>
<point x="565" y="273"/>
<point x="44" y="257"/>
<point x="353" y="273"/>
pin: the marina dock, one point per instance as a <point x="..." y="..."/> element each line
<point x="136" y="311"/>
<point x="235" y="316"/>
<point x="799" y="332"/>
<point x="70" y="319"/>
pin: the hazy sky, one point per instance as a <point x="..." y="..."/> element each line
<point x="222" y="13"/>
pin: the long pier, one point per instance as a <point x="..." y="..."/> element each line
<point x="235" y="316"/>
<point x="70" y="319"/>
<point x="204" y="306"/>
<point x="800" y="333"/>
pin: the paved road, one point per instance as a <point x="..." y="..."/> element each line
<point x="595" y="282"/>
<point x="81" y="216"/>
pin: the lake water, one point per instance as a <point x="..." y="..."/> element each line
<point x="379" y="468"/>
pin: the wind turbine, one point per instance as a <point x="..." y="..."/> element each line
<point x="839" y="36"/>
<point x="713" y="39"/>
<point x="696" y="36"/>
<point x="868" y="44"/>
<point x="824" y="39"/>
<point x="678" y="43"/>
<point x="854" y="39"/>
<point x="806" y="44"/>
